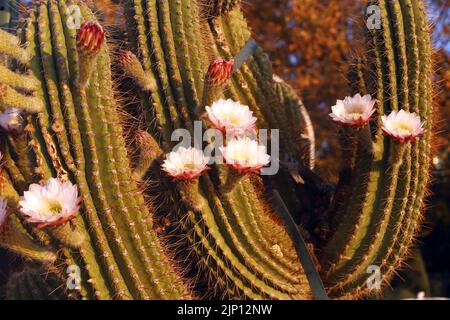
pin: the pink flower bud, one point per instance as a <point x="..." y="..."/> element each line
<point x="219" y="72"/>
<point x="90" y="38"/>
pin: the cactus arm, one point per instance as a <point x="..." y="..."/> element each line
<point x="9" y="46"/>
<point x="12" y="170"/>
<point x="10" y="98"/>
<point x="25" y="161"/>
<point x="144" y="46"/>
<point x="17" y="80"/>
<point x="376" y="239"/>
<point x="193" y="37"/>
<point x="302" y="136"/>
<point x="120" y="257"/>
<point x="16" y="239"/>
<point x="184" y="79"/>
<point x="157" y="42"/>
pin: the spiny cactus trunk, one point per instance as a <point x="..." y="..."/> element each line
<point x="234" y="234"/>
<point x="78" y="136"/>
<point x="382" y="213"/>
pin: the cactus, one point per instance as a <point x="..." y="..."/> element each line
<point x="34" y="283"/>
<point x="79" y="127"/>
<point x="379" y="220"/>
<point x="71" y="138"/>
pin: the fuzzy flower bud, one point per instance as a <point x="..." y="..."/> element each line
<point x="90" y="38"/>
<point x="219" y="72"/>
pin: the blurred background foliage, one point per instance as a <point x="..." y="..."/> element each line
<point x="311" y="44"/>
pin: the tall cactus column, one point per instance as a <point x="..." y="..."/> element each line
<point x="379" y="220"/>
<point x="78" y="136"/>
<point x="232" y="236"/>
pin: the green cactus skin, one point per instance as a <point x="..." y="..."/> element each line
<point x="12" y="79"/>
<point x="34" y="283"/>
<point x="78" y="136"/>
<point x="295" y="113"/>
<point x="216" y="8"/>
<point x="235" y="244"/>
<point x="9" y="46"/>
<point x="230" y="235"/>
<point x="381" y="215"/>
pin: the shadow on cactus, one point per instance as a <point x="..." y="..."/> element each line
<point x="94" y="192"/>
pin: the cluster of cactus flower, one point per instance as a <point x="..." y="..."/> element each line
<point x="242" y="154"/>
<point x="357" y="111"/>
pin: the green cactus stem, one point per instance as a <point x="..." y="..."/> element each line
<point x="15" y="238"/>
<point x="133" y="68"/>
<point x="10" y="98"/>
<point x="388" y="185"/>
<point x="148" y="151"/>
<point x="189" y="191"/>
<point x="17" y="80"/>
<point x="68" y="235"/>
<point x="9" y="46"/>
<point x="364" y="137"/>
<point x="78" y="135"/>
<point x="233" y="178"/>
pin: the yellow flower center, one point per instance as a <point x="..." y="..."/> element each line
<point x="355" y="111"/>
<point x="355" y="115"/>
<point x="54" y="207"/>
<point x="241" y="156"/>
<point x="403" y="128"/>
<point x="234" y="120"/>
<point x="190" y="166"/>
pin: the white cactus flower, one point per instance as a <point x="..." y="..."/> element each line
<point x="51" y="204"/>
<point x="11" y="119"/>
<point x="245" y="155"/>
<point x="185" y="163"/>
<point x="354" y="111"/>
<point x="231" y="117"/>
<point x="3" y="214"/>
<point x="402" y="125"/>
